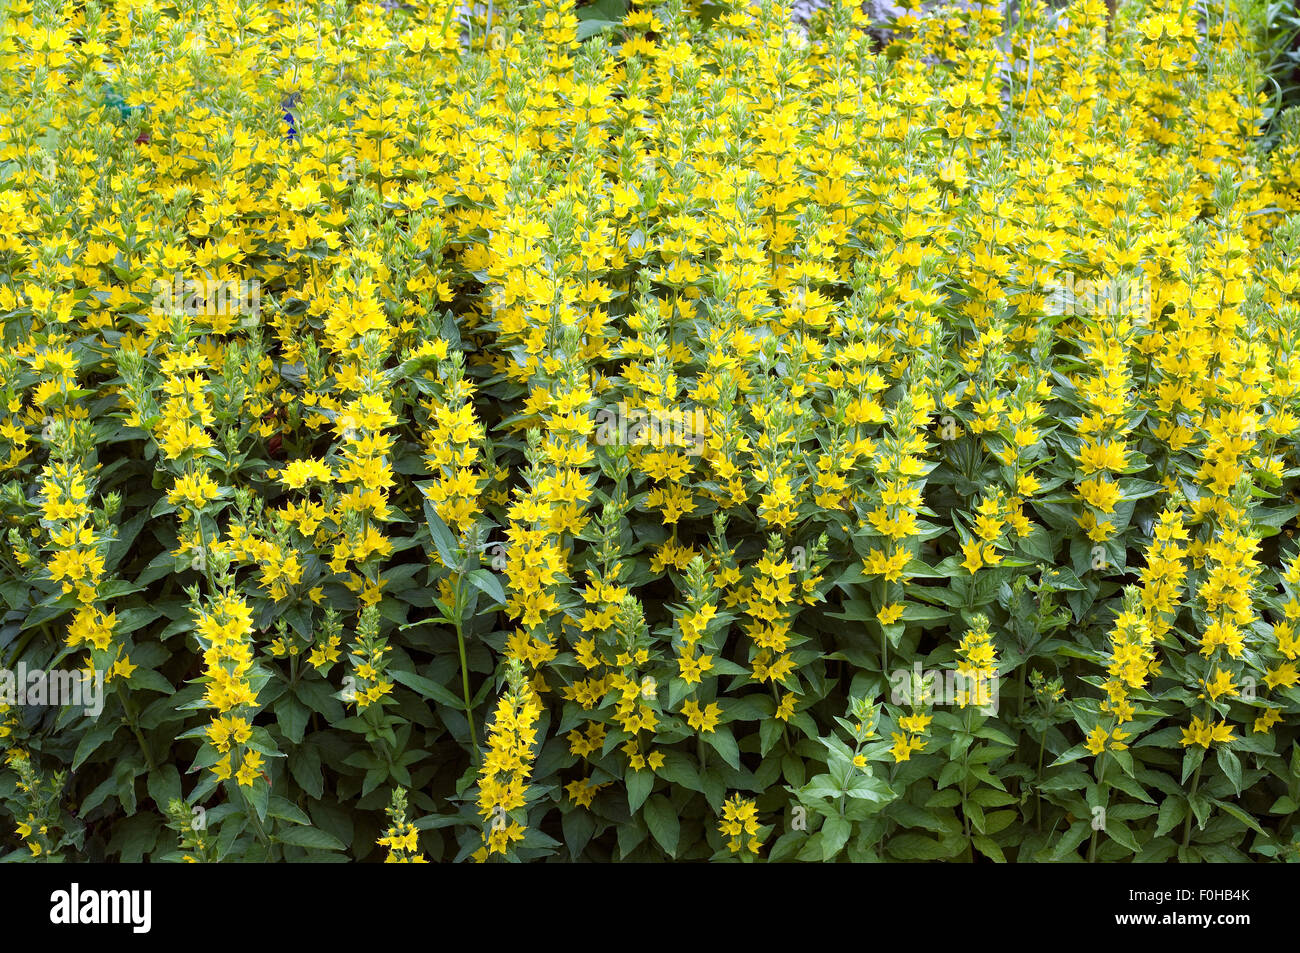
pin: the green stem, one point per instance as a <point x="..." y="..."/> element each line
<point x="1038" y="795"/>
<point x="464" y="688"/>
<point x="1023" y="666"/>
<point x="965" y="776"/>
<point x="135" y="728"/>
<point x="464" y="672"/>
<point x="1187" y="826"/>
<point x="22" y="646"/>
<point x="1101" y="781"/>
<point x="259" y="829"/>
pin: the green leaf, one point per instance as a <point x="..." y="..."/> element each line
<point x="164" y="786"/>
<point x="310" y="837"/>
<point x="91" y="740"/>
<point x="1119" y="832"/>
<point x="589" y="28"/>
<point x="258" y="795"/>
<point x="1074" y="754"/>
<point x="1038" y="544"/>
<point x="639" y="785"/>
<point x="869" y="789"/>
<point x="1231" y="766"/>
<point x="724" y="743"/>
<point x="578" y="826"/>
<point x="134" y="837"/>
<point x="917" y="847"/>
<point x="611" y="10"/>
<point x="1241" y="815"/>
<point x="661" y="817"/>
<point x="292" y="716"/>
<point x="443" y="540"/>
<point x="287" y="811"/>
<point x="1078" y="833"/>
<point x="680" y="770"/>
<point x="1172" y="812"/>
<point x="427" y="688"/>
<point x="999" y="821"/>
<point x="909" y="815"/>
<point x="835" y="834"/>
<point x="948" y="798"/>
<point x="914" y="612"/>
<point x="1284" y="805"/>
<point x="989" y="848"/>
<point x="487" y="582"/>
<point x="318" y="695"/>
<point x="304" y="765"/>
<point x="1221" y="854"/>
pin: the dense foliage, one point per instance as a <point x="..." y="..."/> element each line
<point x="572" y="434"/>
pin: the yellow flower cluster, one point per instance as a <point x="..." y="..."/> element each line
<point x="977" y="666"/>
<point x="224" y="630"/>
<point x="740" y="825"/>
<point x="503" y="775"/>
<point x="401" y="838"/>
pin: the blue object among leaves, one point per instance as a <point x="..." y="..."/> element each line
<point x="114" y="99"/>
<point x="288" y="105"/>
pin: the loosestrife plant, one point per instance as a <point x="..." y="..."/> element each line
<point x="649" y="430"/>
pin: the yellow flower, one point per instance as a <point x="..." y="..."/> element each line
<point x="1267" y="720"/>
<point x="299" y="472"/>
<point x="250" y="770"/>
<point x="785" y="709"/>
<point x="740" y="824"/>
<point x="583" y="791"/>
<point x="916" y="723"/>
<point x="701" y="719"/>
<point x="1221" y="684"/>
<point x="1206" y="733"/>
<point x="890" y="614"/>
<point x="903" y="746"/>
